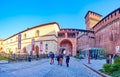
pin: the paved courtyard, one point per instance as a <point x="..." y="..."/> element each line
<point x="42" y="68"/>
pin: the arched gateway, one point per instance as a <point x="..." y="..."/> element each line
<point x="66" y="45"/>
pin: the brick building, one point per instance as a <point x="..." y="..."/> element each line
<point x="106" y="30"/>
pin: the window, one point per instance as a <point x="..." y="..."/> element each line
<point x="16" y="38"/>
<point x="25" y="36"/>
<point x="10" y="40"/>
<point x="37" y="33"/>
<point x="71" y="35"/>
<point x="1" y="49"/>
<point x="24" y="50"/>
<point x="61" y="35"/>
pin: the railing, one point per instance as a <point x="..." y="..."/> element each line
<point x="22" y="57"/>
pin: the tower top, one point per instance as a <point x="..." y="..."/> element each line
<point x="91" y="19"/>
<point x="92" y="13"/>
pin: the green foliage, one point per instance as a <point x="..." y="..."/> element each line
<point x="107" y="68"/>
<point x="116" y="74"/>
<point x="111" y="69"/>
<point x="117" y="60"/>
<point x="115" y="67"/>
<point x="3" y="58"/>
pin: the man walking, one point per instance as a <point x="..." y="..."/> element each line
<point x="67" y="60"/>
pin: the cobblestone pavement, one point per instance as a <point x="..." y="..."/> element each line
<point x="42" y="68"/>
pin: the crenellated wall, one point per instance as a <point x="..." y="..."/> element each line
<point x="107" y="31"/>
<point x="91" y="19"/>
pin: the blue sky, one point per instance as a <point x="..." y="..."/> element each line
<point x="18" y="15"/>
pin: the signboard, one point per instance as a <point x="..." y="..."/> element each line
<point x="33" y="43"/>
<point x="46" y="47"/>
<point x="41" y="46"/>
<point x="19" y="41"/>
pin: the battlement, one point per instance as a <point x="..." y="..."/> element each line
<point x="91" y="19"/>
<point x="93" y="14"/>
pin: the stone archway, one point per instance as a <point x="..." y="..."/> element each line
<point x="61" y="50"/>
<point x="66" y="45"/>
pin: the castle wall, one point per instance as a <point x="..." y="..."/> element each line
<point x="85" y="40"/>
<point x="107" y="31"/>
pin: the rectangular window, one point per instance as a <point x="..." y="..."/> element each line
<point x="61" y="35"/>
<point x="71" y="35"/>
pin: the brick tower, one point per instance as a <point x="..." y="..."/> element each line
<point x="91" y="19"/>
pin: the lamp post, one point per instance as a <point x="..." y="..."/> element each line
<point x="89" y="56"/>
<point x="88" y="51"/>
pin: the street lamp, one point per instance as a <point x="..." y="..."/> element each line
<point x="88" y="51"/>
<point x="89" y="56"/>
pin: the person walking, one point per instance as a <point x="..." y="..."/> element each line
<point x="51" y="57"/>
<point x="29" y="58"/>
<point x="58" y="58"/>
<point x="67" y="60"/>
<point x="61" y="59"/>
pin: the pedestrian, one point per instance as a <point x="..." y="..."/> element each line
<point x="110" y="59"/>
<point x="29" y="58"/>
<point x="37" y="56"/>
<point x="61" y="59"/>
<point x="51" y="57"/>
<point x="58" y="58"/>
<point x="67" y="60"/>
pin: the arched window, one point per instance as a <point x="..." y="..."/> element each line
<point x="36" y="50"/>
<point x="1" y="49"/>
<point x="24" y="49"/>
<point x="25" y="36"/>
<point x="10" y="40"/>
<point x="37" y="33"/>
<point x="16" y="38"/>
